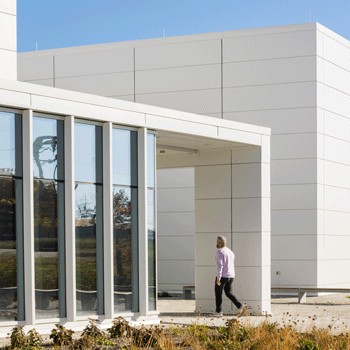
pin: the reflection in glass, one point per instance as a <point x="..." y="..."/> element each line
<point x="46" y="248"/>
<point x="49" y="248"/>
<point x="11" y="228"/>
<point x="8" y="261"/>
<point x="88" y="218"/>
<point x="124" y="157"/>
<point x="85" y="152"/>
<point x="48" y="148"/>
<point x="125" y="245"/>
<point x="7" y="144"/>
<point x="86" y="246"/>
<point x="151" y="250"/>
<point x="152" y="295"/>
<point x="151" y="160"/>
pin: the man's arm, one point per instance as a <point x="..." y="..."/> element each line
<point x="220" y="265"/>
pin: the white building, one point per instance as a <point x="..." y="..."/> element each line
<point x="294" y="79"/>
<point x="78" y="197"/>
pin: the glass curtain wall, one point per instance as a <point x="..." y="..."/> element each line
<point x="88" y="218"/>
<point x="152" y="293"/>
<point x="125" y="236"/>
<point x="49" y="240"/>
<point x="11" y="218"/>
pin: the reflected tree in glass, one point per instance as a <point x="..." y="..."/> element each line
<point x="125" y="248"/>
<point x="46" y="249"/>
<point x="122" y="248"/>
<point x="11" y="229"/>
<point x="151" y="251"/>
<point x="85" y="228"/>
<point x="8" y="260"/>
<point x="48" y="217"/>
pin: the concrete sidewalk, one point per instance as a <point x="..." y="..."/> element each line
<point x="327" y="311"/>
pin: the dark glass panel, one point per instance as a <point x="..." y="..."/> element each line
<point x="151" y="160"/>
<point x="8" y="251"/>
<point x="86" y="264"/>
<point x="20" y="248"/>
<point x="48" y="148"/>
<point x="151" y="251"/>
<point x="124" y="157"/>
<point x="61" y="250"/>
<point x="46" y="248"/>
<point x="125" y="249"/>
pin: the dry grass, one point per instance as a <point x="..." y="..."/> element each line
<point x="234" y="335"/>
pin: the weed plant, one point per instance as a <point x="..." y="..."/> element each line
<point x="240" y="335"/>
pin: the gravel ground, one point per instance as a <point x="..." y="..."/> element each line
<point x="330" y="306"/>
<point x="325" y="306"/>
<point x="330" y="311"/>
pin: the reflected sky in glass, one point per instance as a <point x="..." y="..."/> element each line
<point x="45" y="148"/>
<point x="124" y="162"/>
<point x="150" y="160"/>
<point x="7" y="144"/>
<point x="85" y="152"/>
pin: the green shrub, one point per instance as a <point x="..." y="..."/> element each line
<point x="61" y="336"/>
<point x="21" y="341"/>
<point x="93" y="330"/>
<point x="120" y="328"/>
<point x="33" y="339"/>
<point x="17" y="337"/>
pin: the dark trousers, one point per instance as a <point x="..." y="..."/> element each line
<point x="226" y="284"/>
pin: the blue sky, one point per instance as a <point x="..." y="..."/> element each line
<point x="55" y="24"/>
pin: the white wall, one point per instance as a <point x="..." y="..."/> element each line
<point x="176" y="241"/>
<point x="294" y="79"/>
<point x="333" y="93"/>
<point x="8" y="40"/>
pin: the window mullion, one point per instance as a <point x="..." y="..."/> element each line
<point x="70" y="218"/>
<point x="28" y="217"/>
<point x="108" y="220"/>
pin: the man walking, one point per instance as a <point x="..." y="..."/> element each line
<point x="225" y="276"/>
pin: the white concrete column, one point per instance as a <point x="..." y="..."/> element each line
<point x="28" y="217"/>
<point x="142" y="216"/>
<point x="8" y="39"/>
<point x="251" y="238"/>
<point x="108" y="221"/>
<point x="70" y="218"/>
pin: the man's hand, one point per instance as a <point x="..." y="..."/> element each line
<point x="218" y="282"/>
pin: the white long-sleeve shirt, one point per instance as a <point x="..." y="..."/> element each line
<point x="225" y="261"/>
